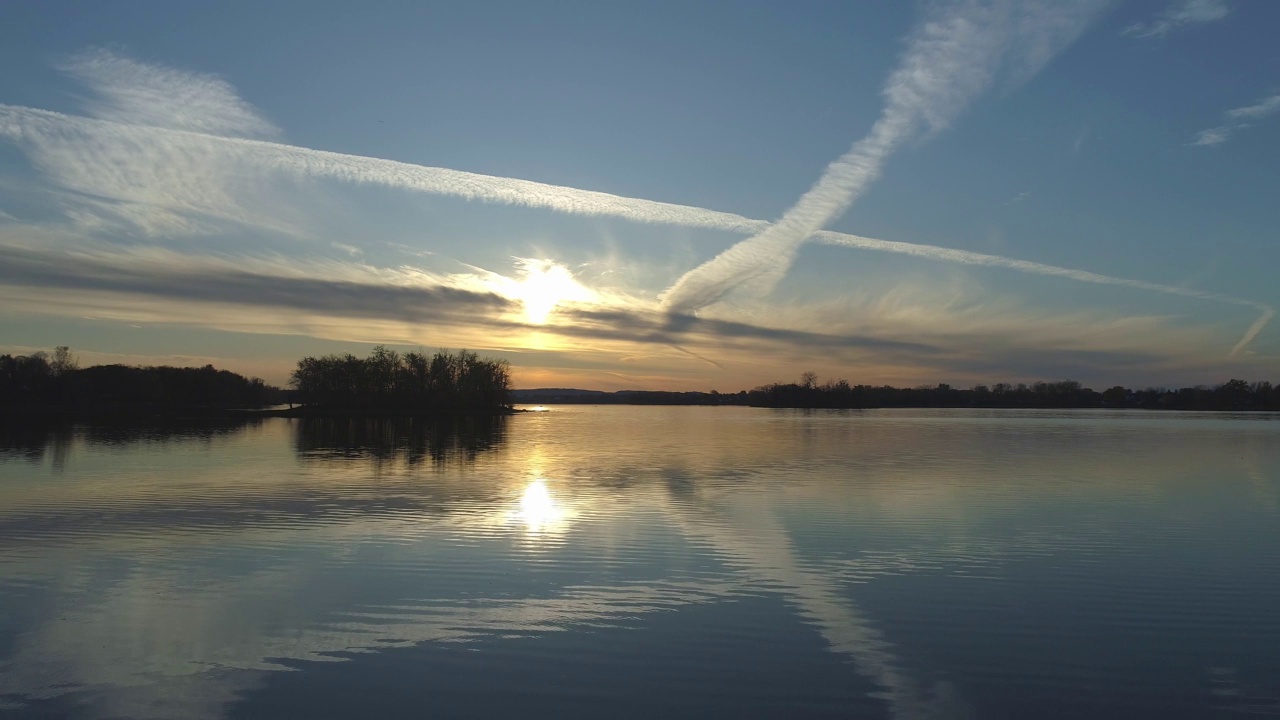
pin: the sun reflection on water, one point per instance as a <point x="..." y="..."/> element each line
<point x="538" y="510"/>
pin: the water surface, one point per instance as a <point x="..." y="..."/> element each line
<point x="646" y="562"/>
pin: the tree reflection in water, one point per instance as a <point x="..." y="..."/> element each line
<point x="398" y="440"/>
<point x="34" y="441"/>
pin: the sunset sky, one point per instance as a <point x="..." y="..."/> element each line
<point x="684" y="195"/>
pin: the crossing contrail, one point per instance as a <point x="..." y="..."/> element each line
<point x="952" y="57"/>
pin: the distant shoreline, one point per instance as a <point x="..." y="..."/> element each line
<point x="146" y="412"/>
<point x="607" y="403"/>
<point x="1231" y="396"/>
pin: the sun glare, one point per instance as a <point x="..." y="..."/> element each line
<point x="544" y="286"/>
<point x="537" y="508"/>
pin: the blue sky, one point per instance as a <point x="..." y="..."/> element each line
<point x="1010" y="190"/>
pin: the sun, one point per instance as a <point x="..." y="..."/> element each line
<point x="544" y="286"/>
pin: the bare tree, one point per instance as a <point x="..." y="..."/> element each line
<point x="63" y="361"/>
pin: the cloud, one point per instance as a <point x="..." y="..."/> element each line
<point x="1179" y="15"/>
<point x="1212" y="136"/>
<point x="342" y="291"/>
<point x="1238" y="119"/>
<point x="350" y="302"/>
<point x="950" y="59"/>
<point x="135" y="93"/>
<point x="663" y="328"/>
<point x="1265" y="107"/>
<point x="143" y="163"/>
<point x="94" y="153"/>
<point x="157" y="169"/>
<point x="163" y="274"/>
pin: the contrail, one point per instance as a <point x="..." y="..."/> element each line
<point x="46" y="129"/>
<point x="965" y="257"/>
<point x="1253" y="330"/>
<point x="952" y="57"/>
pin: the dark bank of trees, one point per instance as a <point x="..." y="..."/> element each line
<point x="445" y="383"/>
<point x="53" y="385"/>
<point x="808" y="393"/>
<point x="43" y="383"/>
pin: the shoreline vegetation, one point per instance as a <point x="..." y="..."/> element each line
<point x="53" y="387"/>
<point x="1233" y="395"/>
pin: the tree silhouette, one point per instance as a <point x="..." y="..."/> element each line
<point x="456" y="383"/>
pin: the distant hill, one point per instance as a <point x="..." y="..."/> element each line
<point x="570" y="396"/>
<point x="556" y="395"/>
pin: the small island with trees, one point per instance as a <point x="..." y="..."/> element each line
<point x="388" y="383"/>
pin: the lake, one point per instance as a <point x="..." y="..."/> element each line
<point x="646" y="562"/>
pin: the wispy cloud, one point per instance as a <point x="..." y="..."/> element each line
<point x="1238" y="119"/>
<point x="1212" y="136"/>
<point x="136" y="93"/>
<point x="950" y="59"/>
<point x="1179" y="15"/>
<point x="164" y="274"/>
<point x="1268" y="105"/>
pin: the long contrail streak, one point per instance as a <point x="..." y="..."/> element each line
<point x="43" y="128"/>
<point x="964" y="257"/>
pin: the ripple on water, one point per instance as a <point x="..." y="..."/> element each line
<point x="1014" y="559"/>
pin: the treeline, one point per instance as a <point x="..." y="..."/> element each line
<point x="809" y="393"/>
<point x="43" y="380"/>
<point x="1231" y="395"/>
<point x="443" y="383"/>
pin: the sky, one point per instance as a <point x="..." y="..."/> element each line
<point x="685" y="195"/>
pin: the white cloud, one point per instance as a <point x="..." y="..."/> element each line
<point x="137" y="93"/>
<point x="1181" y="14"/>
<point x="1212" y="136"/>
<point x="1265" y="107"/>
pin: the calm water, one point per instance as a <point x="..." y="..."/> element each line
<point x="647" y="562"/>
